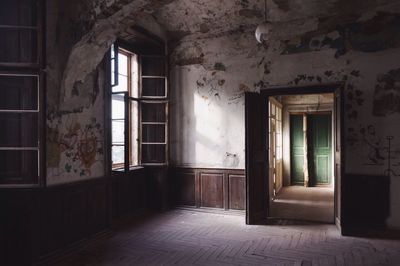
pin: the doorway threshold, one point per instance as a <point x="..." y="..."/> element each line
<point x="212" y="210"/>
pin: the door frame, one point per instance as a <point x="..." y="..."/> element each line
<point x="335" y="88"/>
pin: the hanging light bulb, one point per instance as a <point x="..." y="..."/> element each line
<point x="264" y="29"/>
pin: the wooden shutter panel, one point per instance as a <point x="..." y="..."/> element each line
<point x="154" y="109"/>
<point x="256" y="115"/>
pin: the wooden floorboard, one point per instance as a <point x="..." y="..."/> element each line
<point x="182" y="237"/>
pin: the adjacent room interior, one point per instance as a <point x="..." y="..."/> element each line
<point x="301" y="157"/>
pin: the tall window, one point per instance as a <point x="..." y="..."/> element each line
<point x="275" y="143"/>
<point x="20" y="92"/>
<point x="139" y="109"/>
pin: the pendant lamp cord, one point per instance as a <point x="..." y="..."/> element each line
<point x="265" y="10"/>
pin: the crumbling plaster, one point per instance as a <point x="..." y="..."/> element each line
<point x="79" y="33"/>
<point x="215" y="59"/>
<point x="356" y="46"/>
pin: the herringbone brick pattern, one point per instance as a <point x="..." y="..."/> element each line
<point x="182" y="237"/>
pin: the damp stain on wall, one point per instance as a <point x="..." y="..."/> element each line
<point x="376" y="34"/>
<point x="387" y="94"/>
<point x="74" y="148"/>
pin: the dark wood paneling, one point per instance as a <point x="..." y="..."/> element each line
<point x="237" y="192"/>
<point x="128" y="192"/>
<point x="366" y="203"/>
<point x="76" y="216"/>
<point x="72" y="212"/>
<point x="98" y="208"/>
<point x="202" y="187"/>
<point x="185" y="189"/>
<point x="36" y="222"/>
<point x="212" y="190"/>
<point x="18" y="226"/>
<point x="256" y="112"/>
<point x="157" y="187"/>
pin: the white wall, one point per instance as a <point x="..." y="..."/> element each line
<point x="208" y="119"/>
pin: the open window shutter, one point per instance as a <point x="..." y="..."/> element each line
<point x="114" y="65"/>
<point x="154" y="110"/>
<point x="338" y="114"/>
<point x="256" y="158"/>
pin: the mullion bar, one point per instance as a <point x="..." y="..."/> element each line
<point x="153" y="77"/>
<point x="154" y="123"/>
<point x="19" y="27"/>
<point x="19" y="148"/>
<point x="19" y="111"/>
<point x="126" y="132"/>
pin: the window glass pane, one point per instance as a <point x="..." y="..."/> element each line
<point x="122" y="64"/>
<point x="118" y="106"/>
<point x="279" y="140"/>
<point x="153" y="87"/>
<point x="153" y="66"/>
<point x="269" y="108"/>
<point x="273" y="110"/>
<point x="135" y="77"/>
<point x="117" y="155"/>
<point x="118" y="129"/>
<point x="113" y="81"/>
<point x="153" y="112"/>
<point x="134" y="133"/>
<point x="153" y="133"/>
<point x="122" y="84"/>
<point x="18" y="167"/>
<point x="18" y="45"/>
<point x="19" y="130"/>
<point x="18" y="93"/>
<point x="18" y="12"/>
<point x="112" y="53"/>
<point x="153" y="153"/>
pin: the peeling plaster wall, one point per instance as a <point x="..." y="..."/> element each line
<point x="79" y="34"/>
<point x="207" y="100"/>
<point x="210" y="74"/>
<point x="214" y="60"/>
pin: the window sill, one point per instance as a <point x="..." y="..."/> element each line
<point x="132" y="168"/>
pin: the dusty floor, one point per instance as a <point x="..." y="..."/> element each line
<point x="182" y="237"/>
<point x="304" y="203"/>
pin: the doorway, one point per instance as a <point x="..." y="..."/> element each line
<point x="300" y="157"/>
<point x="294" y="153"/>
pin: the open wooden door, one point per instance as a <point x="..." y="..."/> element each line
<point x="256" y="115"/>
<point x="319" y="131"/>
<point x="338" y="164"/>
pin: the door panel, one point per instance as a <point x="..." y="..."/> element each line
<point x="338" y="126"/>
<point x="256" y="158"/>
<point x="322" y="165"/>
<point x="297" y="149"/>
<point x="320" y="148"/>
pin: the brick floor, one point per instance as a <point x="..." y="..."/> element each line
<point x="183" y="237"/>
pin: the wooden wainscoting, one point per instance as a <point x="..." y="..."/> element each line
<point x="211" y="188"/>
<point x="128" y="192"/>
<point x="38" y="223"/>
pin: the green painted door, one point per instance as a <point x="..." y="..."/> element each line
<point x="296" y="149"/>
<point x="319" y="131"/>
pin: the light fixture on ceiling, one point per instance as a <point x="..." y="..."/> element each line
<point x="263" y="30"/>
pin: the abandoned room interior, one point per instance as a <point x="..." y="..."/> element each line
<point x="148" y="132"/>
